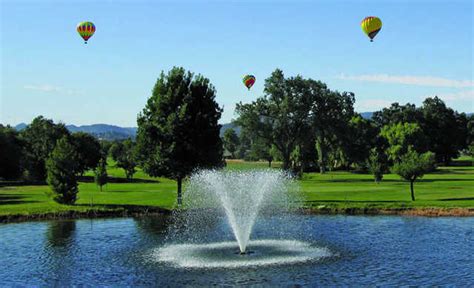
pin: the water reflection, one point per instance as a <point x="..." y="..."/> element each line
<point x="60" y="246"/>
<point x="377" y="251"/>
<point x="60" y="233"/>
<point x="153" y="225"/>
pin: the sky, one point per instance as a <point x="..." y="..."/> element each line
<point x="425" y="48"/>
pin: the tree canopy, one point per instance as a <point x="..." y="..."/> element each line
<point x="40" y="138"/>
<point x="178" y="129"/>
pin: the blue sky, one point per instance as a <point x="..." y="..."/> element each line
<point x="425" y="48"/>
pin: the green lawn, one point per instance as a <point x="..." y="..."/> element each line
<point x="449" y="187"/>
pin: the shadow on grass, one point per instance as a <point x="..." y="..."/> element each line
<point x="461" y="163"/>
<point x="388" y="180"/>
<point x="90" y="179"/>
<point x="457" y="199"/>
<point x="11" y="199"/>
<point x="357" y="201"/>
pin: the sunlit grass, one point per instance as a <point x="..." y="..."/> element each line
<point x="448" y="187"/>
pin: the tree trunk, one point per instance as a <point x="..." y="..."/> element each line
<point x="286" y="161"/>
<point x="321" y="155"/>
<point x="447" y="160"/>
<point x="412" y="191"/>
<point x="269" y="163"/>
<point x="180" y="200"/>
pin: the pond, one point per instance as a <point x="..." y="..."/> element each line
<point x="320" y="250"/>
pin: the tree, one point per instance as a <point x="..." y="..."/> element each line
<point x="61" y="172"/>
<point x="397" y="113"/>
<point x="400" y="137"/>
<point x="11" y="153"/>
<point x="100" y="174"/>
<point x="231" y="141"/>
<point x="331" y="114"/>
<point x="127" y="160"/>
<point x="377" y="164"/>
<point x="105" y="148"/>
<point x="245" y="146"/>
<point x="413" y="165"/>
<point x="88" y="151"/>
<point x="446" y="130"/>
<point x="259" y="149"/>
<point x="116" y="150"/>
<point x="281" y="116"/>
<point x="178" y="129"/>
<point x="40" y="138"/>
<point x="470" y="130"/>
<point x="360" y="138"/>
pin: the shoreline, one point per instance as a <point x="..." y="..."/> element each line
<point x="124" y="212"/>
<point x="416" y="212"/>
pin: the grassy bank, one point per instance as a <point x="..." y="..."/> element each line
<point x="448" y="189"/>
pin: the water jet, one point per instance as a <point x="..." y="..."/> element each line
<point x="241" y="197"/>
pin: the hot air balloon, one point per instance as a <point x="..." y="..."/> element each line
<point x="371" y="26"/>
<point x="86" y="30"/>
<point x="249" y="80"/>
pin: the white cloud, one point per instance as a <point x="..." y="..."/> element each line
<point x="410" y="80"/>
<point x="372" y="104"/>
<point x="458" y="96"/>
<point x="49" y="89"/>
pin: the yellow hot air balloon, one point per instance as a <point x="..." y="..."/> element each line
<point x="371" y="25"/>
<point x="86" y="30"/>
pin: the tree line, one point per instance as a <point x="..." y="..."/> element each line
<point x="298" y="121"/>
<point x="46" y="152"/>
<point x="309" y="127"/>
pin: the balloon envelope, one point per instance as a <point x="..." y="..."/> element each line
<point x="249" y="80"/>
<point x="86" y="30"/>
<point x="371" y="25"/>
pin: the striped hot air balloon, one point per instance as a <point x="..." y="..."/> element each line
<point x="371" y="25"/>
<point x="249" y="80"/>
<point x="86" y="30"/>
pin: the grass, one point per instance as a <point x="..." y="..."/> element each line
<point x="449" y="187"/>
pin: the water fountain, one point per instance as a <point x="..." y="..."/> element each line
<point x="241" y="196"/>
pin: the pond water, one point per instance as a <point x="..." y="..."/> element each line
<point x="313" y="250"/>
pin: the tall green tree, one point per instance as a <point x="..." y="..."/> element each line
<point x="281" y="116"/>
<point x="231" y="141"/>
<point x="446" y="130"/>
<point x="100" y="174"/>
<point x="61" y="170"/>
<point x="400" y="137"/>
<point x="413" y="166"/>
<point x="40" y="138"/>
<point x="331" y="114"/>
<point x="88" y="149"/>
<point x="178" y="129"/>
<point x="11" y="153"/>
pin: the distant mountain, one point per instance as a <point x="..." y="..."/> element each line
<point x="112" y="132"/>
<point x="20" y="126"/>
<point x="367" y="115"/>
<point x="229" y="126"/>
<point x="105" y="131"/>
<point x="100" y="131"/>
